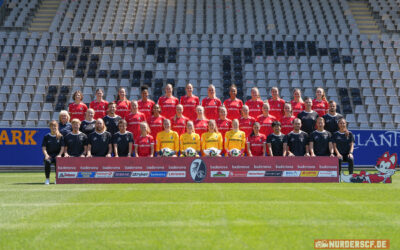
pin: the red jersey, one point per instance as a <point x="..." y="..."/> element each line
<point x="246" y="125"/>
<point x="100" y="108"/>
<point x="224" y="126"/>
<point x="211" y="107"/>
<point x="257" y="144"/>
<point x="156" y="125"/>
<point x="189" y="106"/>
<point x="168" y="105"/>
<point x="179" y="124"/>
<point x="144" y="145"/>
<point x="287" y="124"/>
<point x="255" y="107"/>
<point x="77" y="111"/>
<point x="146" y="107"/>
<point x="233" y="107"/>
<point x="297" y="107"/>
<point x="276" y="107"/>
<point x="320" y="107"/>
<point x="134" y="121"/>
<point x="200" y="126"/>
<point x="123" y="108"/>
<point x="266" y="123"/>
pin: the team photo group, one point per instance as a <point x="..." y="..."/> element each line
<point x="188" y="127"/>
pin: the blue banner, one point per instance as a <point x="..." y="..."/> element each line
<point x="21" y="147"/>
<point x="371" y="144"/>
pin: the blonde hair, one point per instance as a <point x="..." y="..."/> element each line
<point x="323" y="93"/>
<point x="75" y="120"/>
<point x="63" y="112"/>
<point x="298" y="90"/>
<point x="58" y="134"/>
<point x="147" y="126"/>
<point x="190" y="122"/>
<point x="215" y="125"/>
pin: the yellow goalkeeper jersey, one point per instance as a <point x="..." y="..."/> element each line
<point x="190" y="141"/>
<point x="211" y="140"/>
<point x="235" y="140"/>
<point x="167" y="140"/>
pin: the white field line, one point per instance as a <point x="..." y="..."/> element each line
<point x="152" y="203"/>
<point x="190" y="187"/>
<point x="196" y="224"/>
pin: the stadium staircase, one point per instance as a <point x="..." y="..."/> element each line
<point x="44" y="16"/>
<point x="364" y="18"/>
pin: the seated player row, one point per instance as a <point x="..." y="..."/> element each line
<point x="189" y="102"/>
<point x="101" y="143"/>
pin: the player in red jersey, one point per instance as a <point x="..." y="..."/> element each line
<point x="255" y="103"/>
<point x="223" y="123"/>
<point x="256" y="142"/>
<point x="77" y="109"/>
<point x="320" y="104"/>
<point x="266" y="120"/>
<point x="190" y="102"/>
<point x="144" y="143"/>
<point x="99" y="105"/>
<point x="246" y="121"/>
<point x="287" y="119"/>
<point x="201" y="123"/>
<point x="276" y="104"/>
<point x="168" y="102"/>
<point x="123" y="104"/>
<point x="297" y="102"/>
<point x="233" y="104"/>
<point x="156" y="121"/>
<point x="211" y="104"/>
<point x="134" y="119"/>
<point x="178" y="121"/>
<point x="145" y="104"/>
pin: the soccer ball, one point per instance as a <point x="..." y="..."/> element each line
<point x="190" y="152"/>
<point x="235" y="152"/>
<point x="167" y="152"/>
<point x="212" y="151"/>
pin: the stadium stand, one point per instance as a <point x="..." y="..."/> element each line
<point x="285" y="43"/>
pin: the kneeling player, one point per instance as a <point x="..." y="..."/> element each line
<point x="144" y="144"/>
<point x="52" y="147"/>
<point x="256" y="142"/>
<point x="100" y="141"/>
<point x="123" y="140"/>
<point x="190" y="140"/>
<point x="235" y="139"/>
<point x="167" y="141"/>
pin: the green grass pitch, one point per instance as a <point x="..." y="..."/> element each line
<point x="193" y="216"/>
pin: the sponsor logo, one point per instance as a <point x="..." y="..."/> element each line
<point x="104" y="174"/>
<point x="160" y="174"/>
<point x="255" y="173"/>
<point x="219" y="173"/>
<point x="327" y="174"/>
<point x="309" y="173"/>
<point x="198" y="170"/>
<point x="238" y="174"/>
<point x="177" y="174"/>
<point x="122" y="174"/>
<point x="86" y="174"/>
<point x="273" y="173"/>
<point x="67" y="174"/>
<point x="140" y="174"/>
<point x="291" y="173"/>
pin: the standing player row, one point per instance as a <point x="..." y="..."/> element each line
<point x="211" y="104"/>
